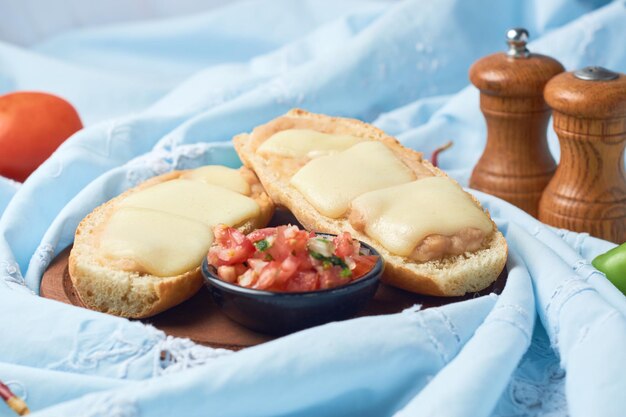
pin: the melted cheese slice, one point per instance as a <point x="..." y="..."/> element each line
<point x="160" y="243"/>
<point x="166" y="229"/>
<point x="400" y="217"/>
<point x="330" y="183"/>
<point x="219" y="175"/>
<point x="196" y="200"/>
<point x="298" y="143"/>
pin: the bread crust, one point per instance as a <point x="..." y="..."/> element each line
<point x="103" y="286"/>
<point x="451" y="276"/>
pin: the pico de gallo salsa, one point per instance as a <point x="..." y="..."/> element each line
<point x="287" y="259"/>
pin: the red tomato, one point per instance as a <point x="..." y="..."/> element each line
<point x="331" y="277"/>
<point x="296" y="239"/>
<point x="261" y="234"/>
<point x="304" y="261"/>
<point x="233" y="247"/>
<point x="283" y="241"/>
<point x="32" y="126"/>
<point x="364" y="264"/>
<point x="303" y="281"/>
<point x="275" y="274"/>
<point x="345" y="246"/>
<point x="287" y="269"/>
<point x="267" y="277"/>
<point x="279" y="249"/>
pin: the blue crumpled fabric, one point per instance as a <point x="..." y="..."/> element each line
<point x="170" y="94"/>
<point x="8" y="188"/>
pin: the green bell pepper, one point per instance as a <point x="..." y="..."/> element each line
<point x="613" y="264"/>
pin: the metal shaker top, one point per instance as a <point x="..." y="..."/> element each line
<point x="516" y="38"/>
<point x="595" y="74"/>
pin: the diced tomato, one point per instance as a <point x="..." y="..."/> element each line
<point x="285" y="258"/>
<point x="287" y="269"/>
<point x="261" y="234"/>
<point x="267" y="277"/>
<point x="289" y="240"/>
<point x="262" y="255"/>
<point x="303" y="281"/>
<point x="296" y="239"/>
<point x="232" y="247"/>
<point x="364" y="264"/>
<point x="275" y="275"/>
<point x="304" y="260"/>
<point x="345" y="245"/>
<point x="331" y="277"/>
<point x="229" y="236"/>
<point x="240" y="269"/>
<point x="278" y="250"/>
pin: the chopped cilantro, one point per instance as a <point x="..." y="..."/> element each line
<point x="317" y="255"/>
<point x="333" y="259"/>
<point x="346" y="273"/>
<point x="262" y="245"/>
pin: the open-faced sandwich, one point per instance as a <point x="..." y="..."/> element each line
<point x="140" y="253"/>
<point x="339" y="175"/>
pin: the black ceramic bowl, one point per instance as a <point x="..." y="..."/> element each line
<point x="285" y="312"/>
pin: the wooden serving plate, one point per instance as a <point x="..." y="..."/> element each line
<point x="200" y="320"/>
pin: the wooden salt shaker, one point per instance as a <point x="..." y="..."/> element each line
<point x="588" y="190"/>
<point x="516" y="164"/>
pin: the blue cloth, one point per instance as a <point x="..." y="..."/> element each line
<point x="170" y="94"/>
<point x="7" y="189"/>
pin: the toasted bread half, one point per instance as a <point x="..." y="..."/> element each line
<point x="103" y="286"/>
<point x="452" y="275"/>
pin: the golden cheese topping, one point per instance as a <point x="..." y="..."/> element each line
<point x="298" y="143"/>
<point x="221" y="176"/>
<point x="166" y="229"/>
<point x="331" y="182"/>
<point x="160" y="243"/>
<point x="400" y="217"/>
<point x="195" y="200"/>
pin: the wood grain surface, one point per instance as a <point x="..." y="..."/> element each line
<point x="201" y="320"/>
<point x="516" y="164"/>
<point x="588" y="190"/>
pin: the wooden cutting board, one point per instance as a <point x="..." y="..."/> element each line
<point x="200" y="320"/>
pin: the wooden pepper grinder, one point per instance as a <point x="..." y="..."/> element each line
<point x="516" y="164"/>
<point x="588" y="190"/>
